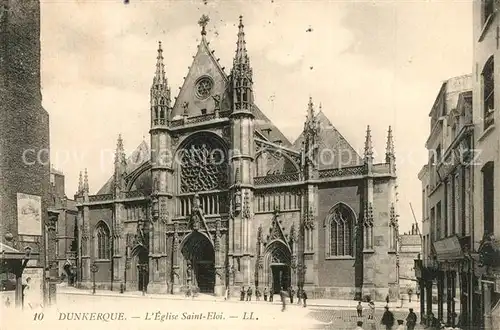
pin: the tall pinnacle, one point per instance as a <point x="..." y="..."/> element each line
<point x="160" y="67"/>
<point x="80" y="183"/>
<point x="86" y="182"/>
<point x="120" y="152"/>
<point x="368" y="143"/>
<point x="241" y="56"/>
<point x="311" y="125"/>
<point x="389" y="151"/>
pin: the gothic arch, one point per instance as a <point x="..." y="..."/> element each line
<point x="199" y="261"/>
<point x="102" y="243"/>
<point x="340" y="224"/>
<point x="278" y="251"/>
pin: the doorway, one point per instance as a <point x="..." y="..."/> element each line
<point x="199" y="252"/>
<point x="142" y="270"/>
<point x="281" y="277"/>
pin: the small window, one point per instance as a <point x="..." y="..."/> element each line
<point x="203" y="111"/>
<point x="488" y="92"/>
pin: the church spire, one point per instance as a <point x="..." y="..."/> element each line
<point x="160" y="93"/>
<point x="241" y="56"/>
<point x="241" y="74"/>
<point x="160" y="78"/>
<point x="120" y="152"/>
<point x="311" y="124"/>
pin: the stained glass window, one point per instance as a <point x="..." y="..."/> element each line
<point x="341" y="231"/>
<point x="102" y="241"/>
<point x="204" y="87"/>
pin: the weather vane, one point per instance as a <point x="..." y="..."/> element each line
<point x="203" y="23"/>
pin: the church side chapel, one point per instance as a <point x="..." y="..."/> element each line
<point x="221" y="199"/>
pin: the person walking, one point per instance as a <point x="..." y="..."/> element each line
<point x="411" y="320"/>
<point x="388" y="319"/>
<point x="371" y="312"/>
<point x="283" y="300"/>
<point x="257" y="294"/>
<point x="292" y="294"/>
<point x="265" y="293"/>
<point x="271" y="294"/>
<point x="359" y="325"/>
<point x="249" y="293"/>
<point x="359" y="309"/>
<point x="387" y="300"/>
<point x="304" y="297"/>
<point x="299" y="296"/>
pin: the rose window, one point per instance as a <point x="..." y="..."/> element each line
<point x="204" y="87"/>
<point x="203" y="167"/>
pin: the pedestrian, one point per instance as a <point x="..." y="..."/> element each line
<point x="7" y="302"/>
<point x="387" y="300"/>
<point x="402" y="298"/>
<point x="371" y="313"/>
<point x="226" y="293"/>
<point x="283" y="300"/>
<point x="359" y="309"/>
<point x="292" y="294"/>
<point x="400" y="325"/>
<point x="242" y="293"/>
<point x="304" y="297"/>
<point x="388" y="319"/>
<point x="411" y="320"/>
<point x="359" y="325"/>
<point x="265" y="293"/>
<point x="249" y="293"/>
<point x="257" y="294"/>
<point x="299" y="296"/>
<point x="271" y="294"/>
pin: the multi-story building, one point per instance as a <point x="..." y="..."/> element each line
<point x="445" y="271"/>
<point x="25" y="222"/>
<point x="486" y="97"/>
<point x="66" y="227"/>
<point x="222" y="199"/>
<point x="410" y="248"/>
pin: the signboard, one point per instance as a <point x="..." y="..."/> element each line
<point x="29" y="214"/>
<point x="448" y="249"/>
<point x="33" y="291"/>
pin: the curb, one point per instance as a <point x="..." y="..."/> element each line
<point x="178" y="297"/>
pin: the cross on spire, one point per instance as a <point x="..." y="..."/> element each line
<point x="203" y="23"/>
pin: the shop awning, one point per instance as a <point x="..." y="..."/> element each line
<point x="8" y="252"/>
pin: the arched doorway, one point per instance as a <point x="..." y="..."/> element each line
<point x="199" y="256"/>
<point x="141" y="255"/>
<point x="278" y="260"/>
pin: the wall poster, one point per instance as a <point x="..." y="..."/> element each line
<point x="29" y="214"/>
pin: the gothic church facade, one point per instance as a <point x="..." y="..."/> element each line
<point x="222" y="199"/>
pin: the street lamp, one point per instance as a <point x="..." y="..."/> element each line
<point x="142" y="271"/>
<point x="94" y="268"/>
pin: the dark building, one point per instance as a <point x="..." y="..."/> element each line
<point x="239" y="204"/>
<point x="24" y="145"/>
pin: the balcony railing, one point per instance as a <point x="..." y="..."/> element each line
<point x="276" y="178"/>
<point x="100" y="198"/>
<point x="134" y="194"/>
<point x="343" y="171"/>
<point x="211" y="203"/>
<point x="160" y="122"/>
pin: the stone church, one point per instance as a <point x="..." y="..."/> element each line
<point x="220" y="198"/>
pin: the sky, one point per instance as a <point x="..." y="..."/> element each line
<point x="376" y="63"/>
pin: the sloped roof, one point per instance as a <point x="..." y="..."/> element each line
<point x="140" y="155"/>
<point x="335" y="150"/>
<point x="262" y="123"/>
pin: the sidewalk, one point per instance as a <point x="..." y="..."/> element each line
<point x="333" y="303"/>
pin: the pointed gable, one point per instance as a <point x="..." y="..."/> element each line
<point x="140" y="156"/>
<point x="334" y="150"/>
<point x="206" y="72"/>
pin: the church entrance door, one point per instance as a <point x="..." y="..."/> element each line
<point x="281" y="277"/>
<point x="199" y="255"/>
<point x="142" y="265"/>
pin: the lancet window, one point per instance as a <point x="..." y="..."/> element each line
<point x="340" y="227"/>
